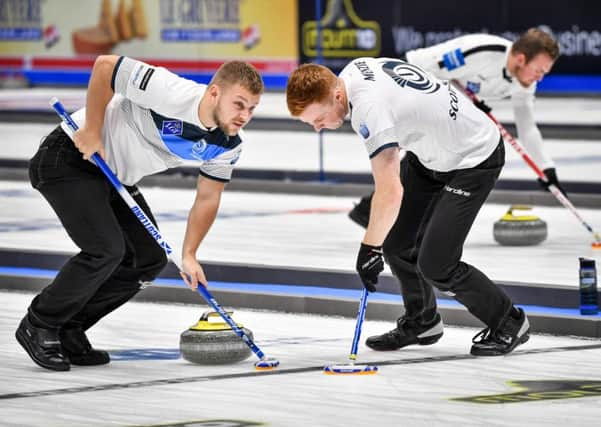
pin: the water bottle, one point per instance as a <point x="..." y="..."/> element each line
<point x="588" y="287"/>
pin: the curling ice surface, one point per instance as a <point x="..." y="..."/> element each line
<point x="414" y="385"/>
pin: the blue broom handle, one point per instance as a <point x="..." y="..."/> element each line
<point x="358" y="326"/>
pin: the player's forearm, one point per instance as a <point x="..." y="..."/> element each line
<point x="200" y="219"/>
<point x="99" y="91"/>
<point x="530" y="136"/>
<point x="385" y="206"/>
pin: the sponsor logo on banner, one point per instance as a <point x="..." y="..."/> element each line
<point x="21" y="20"/>
<point x="343" y="33"/>
<point x="201" y="21"/>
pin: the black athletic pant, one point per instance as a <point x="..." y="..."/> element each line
<point x="425" y="245"/>
<point x="116" y="251"/>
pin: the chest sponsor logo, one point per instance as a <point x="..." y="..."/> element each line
<point x="172" y="127"/>
<point x="473" y="87"/>
<point x="533" y="391"/>
<point x="408" y="75"/>
<point x="198" y="148"/>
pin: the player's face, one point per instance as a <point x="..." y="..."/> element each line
<point x="234" y="108"/>
<point x="326" y="115"/>
<point x="533" y="71"/>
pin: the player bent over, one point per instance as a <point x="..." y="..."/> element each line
<point x="493" y="68"/>
<point x="454" y="155"/>
<point x="142" y="120"/>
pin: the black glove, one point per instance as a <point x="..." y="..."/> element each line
<point x="482" y="106"/>
<point x="551" y="179"/>
<point x="369" y="265"/>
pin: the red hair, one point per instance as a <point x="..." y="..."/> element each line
<point x="308" y="84"/>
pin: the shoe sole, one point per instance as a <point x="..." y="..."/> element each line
<point x="83" y="362"/>
<point x="429" y="340"/>
<point x="524" y="338"/>
<point x="24" y="343"/>
<point x="420" y="341"/>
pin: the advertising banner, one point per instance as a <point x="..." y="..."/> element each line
<point x="354" y="28"/>
<point x="197" y="34"/>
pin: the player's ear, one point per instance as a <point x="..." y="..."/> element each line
<point x="521" y="59"/>
<point x="214" y="92"/>
<point x="338" y="95"/>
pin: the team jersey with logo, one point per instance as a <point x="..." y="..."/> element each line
<point x="478" y="62"/>
<point x="151" y="124"/>
<point x="394" y="103"/>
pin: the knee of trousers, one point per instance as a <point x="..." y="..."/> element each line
<point x="152" y="264"/>
<point x="399" y="264"/>
<point x="108" y="257"/>
<point x="445" y="280"/>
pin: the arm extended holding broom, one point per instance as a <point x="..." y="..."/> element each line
<point x="522" y="152"/>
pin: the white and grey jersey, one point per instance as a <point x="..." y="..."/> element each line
<point x="394" y="103"/>
<point x="151" y="124"/>
<point x="478" y="62"/>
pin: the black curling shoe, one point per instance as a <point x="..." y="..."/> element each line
<point x="512" y="332"/>
<point x="360" y="213"/>
<point x="406" y="333"/>
<point x="42" y="345"/>
<point x="76" y="345"/>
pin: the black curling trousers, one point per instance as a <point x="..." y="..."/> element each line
<point x="117" y="253"/>
<point x="425" y="245"/>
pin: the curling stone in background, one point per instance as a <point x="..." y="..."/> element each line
<point x="519" y="230"/>
<point x="211" y="342"/>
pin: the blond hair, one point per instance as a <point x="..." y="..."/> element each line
<point x="535" y="41"/>
<point x="239" y="72"/>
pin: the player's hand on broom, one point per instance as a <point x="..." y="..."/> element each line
<point x="88" y="142"/>
<point x="369" y="265"/>
<point x="193" y="273"/>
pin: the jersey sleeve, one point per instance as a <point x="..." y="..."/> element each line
<point x="445" y="60"/>
<point x="375" y="125"/>
<point x="221" y="167"/>
<point x="528" y="133"/>
<point x="152" y="87"/>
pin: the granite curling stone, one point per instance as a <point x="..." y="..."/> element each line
<point x="519" y="230"/>
<point x="211" y="342"/>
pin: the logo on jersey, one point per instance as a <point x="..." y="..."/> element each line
<point x="364" y="69"/>
<point x="147" y="75"/>
<point x="363" y="130"/>
<point x="198" y="148"/>
<point x="172" y="127"/>
<point x="473" y="87"/>
<point x="235" y="159"/>
<point x="134" y="80"/>
<point x="405" y="74"/>
<point x="453" y="59"/>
